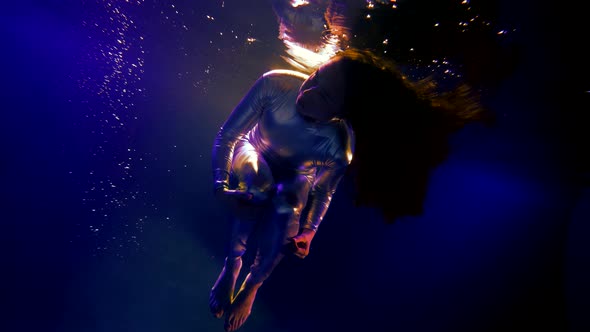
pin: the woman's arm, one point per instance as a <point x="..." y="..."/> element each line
<point x="320" y="197"/>
<point x="242" y="119"/>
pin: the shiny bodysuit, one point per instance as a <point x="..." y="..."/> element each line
<point x="290" y="164"/>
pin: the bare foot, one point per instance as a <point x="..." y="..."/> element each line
<point x="241" y="307"/>
<point x="223" y="290"/>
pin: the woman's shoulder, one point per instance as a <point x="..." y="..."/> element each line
<point x="281" y="81"/>
<point x="276" y="83"/>
<point x="285" y="74"/>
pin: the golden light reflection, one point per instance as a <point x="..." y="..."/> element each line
<point x="307" y="60"/>
<point x="297" y="3"/>
<point x="312" y="32"/>
<point x="252" y="158"/>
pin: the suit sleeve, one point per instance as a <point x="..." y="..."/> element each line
<point x="321" y="195"/>
<point x="241" y="120"/>
<point x="326" y="182"/>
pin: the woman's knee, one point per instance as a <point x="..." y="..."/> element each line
<point x="288" y="200"/>
<point x="252" y="174"/>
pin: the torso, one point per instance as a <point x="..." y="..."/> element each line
<point x="299" y="143"/>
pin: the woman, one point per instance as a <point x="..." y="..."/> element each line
<point x="280" y="155"/>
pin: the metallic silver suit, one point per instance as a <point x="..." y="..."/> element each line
<point x="290" y="164"/>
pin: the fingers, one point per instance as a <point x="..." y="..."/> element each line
<point x="238" y="194"/>
<point x="297" y="247"/>
<point x="301" y="254"/>
<point x="234" y="196"/>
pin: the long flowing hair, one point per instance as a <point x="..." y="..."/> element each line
<point x="402" y="129"/>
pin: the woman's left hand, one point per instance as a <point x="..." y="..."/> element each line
<point x="302" y="242"/>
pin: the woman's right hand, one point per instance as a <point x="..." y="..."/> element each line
<point x="225" y="194"/>
<point x="301" y="243"/>
<point x="240" y="203"/>
<point x="238" y="194"/>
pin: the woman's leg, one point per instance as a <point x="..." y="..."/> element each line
<point x="275" y="234"/>
<point x="252" y="174"/>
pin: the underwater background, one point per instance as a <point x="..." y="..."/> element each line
<point x="109" y="223"/>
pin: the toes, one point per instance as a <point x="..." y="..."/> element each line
<point x="233" y="323"/>
<point x="216" y="308"/>
<point x="216" y="311"/>
<point x="240" y="322"/>
<point x="228" y="324"/>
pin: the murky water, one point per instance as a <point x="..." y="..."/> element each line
<point x="110" y="224"/>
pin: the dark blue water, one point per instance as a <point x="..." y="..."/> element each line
<point x="109" y="224"/>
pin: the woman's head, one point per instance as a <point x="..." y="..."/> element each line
<point x="349" y="80"/>
<point x="322" y="95"/>
<point x="401" y="126"/>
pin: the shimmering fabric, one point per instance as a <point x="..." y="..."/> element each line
<point x="269" y="149"/>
